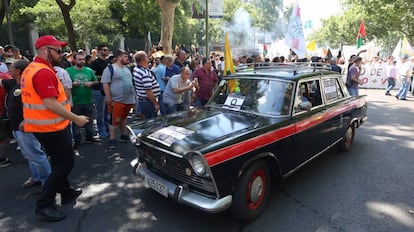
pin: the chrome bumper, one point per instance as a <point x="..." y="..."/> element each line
<point x="182" y="195"/>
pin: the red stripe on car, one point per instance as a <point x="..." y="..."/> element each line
<point x="238" y="149"/>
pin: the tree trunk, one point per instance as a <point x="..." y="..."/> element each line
<point x="167" y="23"/>
<point x="68" y="21"/>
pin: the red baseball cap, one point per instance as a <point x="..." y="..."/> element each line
<point x="49" y="40"/>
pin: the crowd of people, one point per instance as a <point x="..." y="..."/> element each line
<point x="45" y="100"/>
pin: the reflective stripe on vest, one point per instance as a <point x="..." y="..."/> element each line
<point x="37" y="118"/>
<point x="44" y="122"/>
<point x="40" y="106"/>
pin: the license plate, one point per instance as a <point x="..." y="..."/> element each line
<point x="157" y="186"/>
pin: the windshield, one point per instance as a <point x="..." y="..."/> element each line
<point x="262" y="96"/>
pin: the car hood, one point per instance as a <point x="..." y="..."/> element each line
<point x="196" y="129"/>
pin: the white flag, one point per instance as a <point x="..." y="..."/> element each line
<point x="397" y="51"/>
<point x="295" y="38"/>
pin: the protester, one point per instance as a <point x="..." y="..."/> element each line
<point x="391" y="74"/>
<point x="146" y="86"/>
<point x="405" y="74"/>
<point x="98" y="65"/>
<point x="175" y="90"/>
<point x="5" y="131"/>
<point x="83" y="79"/>
<point x="160" y="74"/>
<point x="172" y="69"/>
<point x="47" y="115"/>
<point x="29" y="145"/>
<point x="353" y="76"/>
<point x="119" y="95"/>
<point x="64" y="78"/>
<point x="181" y="60"/>
<point x="207" y="81"/>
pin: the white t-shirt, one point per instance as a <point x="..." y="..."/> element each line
<point x="406" y="67"/>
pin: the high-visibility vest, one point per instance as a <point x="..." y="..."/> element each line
<point x="38" y="118"/>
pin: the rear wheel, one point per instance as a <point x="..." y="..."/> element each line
<point x="348" y="138"/>
<point x="252" y="192"/>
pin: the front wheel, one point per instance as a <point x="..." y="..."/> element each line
<point x="348" y="138"/>
<point x="252" y="192"/>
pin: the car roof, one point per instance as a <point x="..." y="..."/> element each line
<point x="285" y="71"/>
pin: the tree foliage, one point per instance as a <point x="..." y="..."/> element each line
<point x="340" y="29"/>
<point x="92" y="21"/>
<point x="384" y="15"/>
<point x="385" y="23"/>
<point x="97" y="21"/>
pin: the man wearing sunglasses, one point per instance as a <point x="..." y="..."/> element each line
<point x="98" y="66"/>
<point x="46" y="112"/>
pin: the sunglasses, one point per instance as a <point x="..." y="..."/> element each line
<point x="105" y="49"/>
<point x="58" y="51"/>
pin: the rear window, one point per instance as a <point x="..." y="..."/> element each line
<point x="332" y="90"/>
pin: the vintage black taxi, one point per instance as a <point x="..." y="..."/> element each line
<point x="260" y="125"/>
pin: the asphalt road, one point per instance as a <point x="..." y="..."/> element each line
<point x="369" y="188"/>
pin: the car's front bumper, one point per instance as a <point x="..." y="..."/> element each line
<point x="182" y="195"/>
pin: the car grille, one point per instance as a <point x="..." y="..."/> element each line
<point x="174" y="169"/>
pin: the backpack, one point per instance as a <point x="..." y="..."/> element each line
<point x="111" y="70"/>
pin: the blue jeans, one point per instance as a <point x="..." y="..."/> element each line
<point x="147" y="109"/>
<point x="32" y="151"/>
<point x="101" y="123"/>
<point x="391" y="85"/>
<point x="173" y="108"/>
<point x="87" y="110"/>
<point x="402" y="92"/>
<point x="353" y="91"/>
<point x="198" y="102"/>
<point x="161" y="103"/>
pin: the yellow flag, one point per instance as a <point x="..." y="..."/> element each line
<point x="228" y="64"/>
<point x="311" y="45"/>
<point x="406" y="48"/>
<point x="228" y="60"/>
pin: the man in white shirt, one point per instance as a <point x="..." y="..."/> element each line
<point x="405" y="75"/>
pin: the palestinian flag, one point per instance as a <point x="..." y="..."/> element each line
<point x="361" y="35"/>
<point x="264" y="50"/>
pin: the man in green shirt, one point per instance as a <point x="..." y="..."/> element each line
<point x="83" y="79"/>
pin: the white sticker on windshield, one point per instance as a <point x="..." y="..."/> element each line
<point x="234" y="102"/>
<point x="170" y="135"/>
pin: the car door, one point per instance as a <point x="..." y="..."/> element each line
<point x="334" y="98"/>
<point x="311" y="126"/>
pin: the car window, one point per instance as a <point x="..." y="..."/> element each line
<point x="262" y="96"/>
<point x="332" y="90"/>
<point x="308" y="95"/>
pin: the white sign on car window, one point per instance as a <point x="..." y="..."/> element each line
<point x="234" y="102"/>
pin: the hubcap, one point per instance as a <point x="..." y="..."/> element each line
<point x="256" y="189"/>
<point x="348" y="135"/>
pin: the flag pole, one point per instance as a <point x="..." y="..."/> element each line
<point x="207" y="50"/>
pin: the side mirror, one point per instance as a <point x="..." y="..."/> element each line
<point x="305" y="106"/>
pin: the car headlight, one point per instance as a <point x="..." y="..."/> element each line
<point x="198" y="164"/>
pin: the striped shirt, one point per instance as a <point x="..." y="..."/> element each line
<point x="144" y="79"/>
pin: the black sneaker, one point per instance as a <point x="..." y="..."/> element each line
<point x="50" y="214"/>
<point x="92" y="140"/>
<point x="112" y="144"/>
<point x="70" y="195"/>
<point x="125" y="138"/>
<point x="5" y="162"/>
